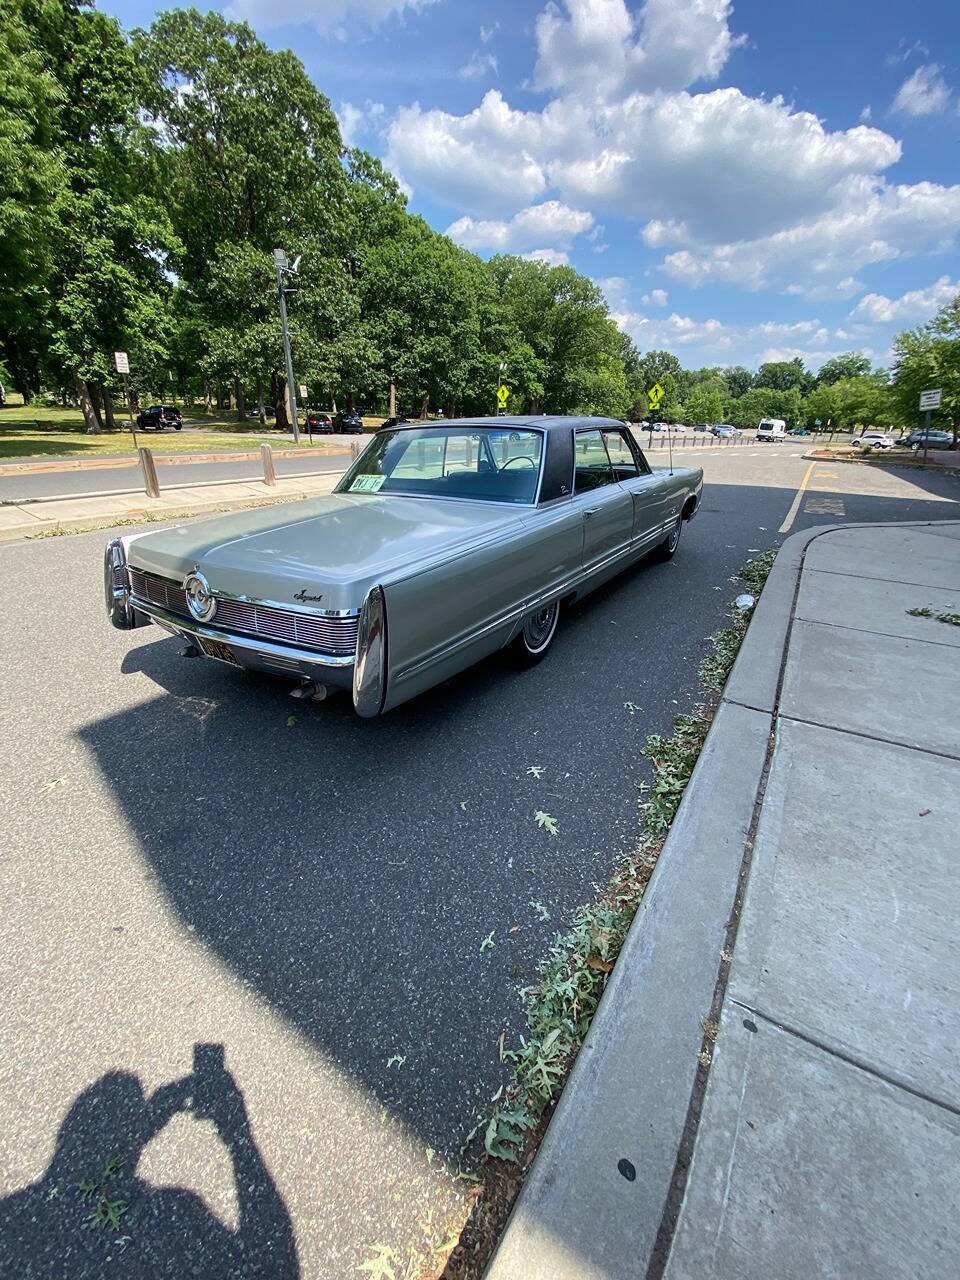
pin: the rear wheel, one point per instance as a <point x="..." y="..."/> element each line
<point x="537" y="634"/>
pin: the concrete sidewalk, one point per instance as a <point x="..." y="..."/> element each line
<point x="820" y="1134"/>
<point x="30" y="519"/>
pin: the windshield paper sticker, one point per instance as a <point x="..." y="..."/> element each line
<point x="367" y="484"/>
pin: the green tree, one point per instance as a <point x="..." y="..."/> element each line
<point x="928" y="358"/>
<point x="738" y="380"/>
<point x="781" y="375"/>
<point x="852" y="364"/>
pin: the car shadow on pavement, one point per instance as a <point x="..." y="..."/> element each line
<point x="91" y="1208"/>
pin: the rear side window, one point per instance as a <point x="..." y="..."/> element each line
<point x="621" y="455"/>
<point x="592" y="469"/>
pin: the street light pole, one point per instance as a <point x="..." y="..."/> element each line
<point x="503" y="365"/>
<point x="280" y="262"/>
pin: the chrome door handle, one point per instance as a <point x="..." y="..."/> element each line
<point x="591" y="511"/>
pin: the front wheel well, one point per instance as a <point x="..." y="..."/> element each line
<point x="689" y="507"/>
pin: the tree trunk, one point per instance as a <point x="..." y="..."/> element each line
<point x="96" y="401"/>
<point x="424" y="404"/>
<point x="219" y="397"/>
<point x="350" y="404"/>
<point x="108" y="408"/>
<point x="240" y="399"/>
<point x="207" y="395"/>
<point x="392" y="410"/>
<point x="86" y="404"/>
<point x="280" y="399"/>
<point x="260" y="405"/>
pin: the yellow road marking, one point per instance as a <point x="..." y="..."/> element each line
<point x="795" y="507"/>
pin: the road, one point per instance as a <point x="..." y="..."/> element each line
<point x="194" y="860"/>
<point x="39" y="485"/>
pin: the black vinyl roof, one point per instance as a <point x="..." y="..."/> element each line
<point x="539" y="422"/>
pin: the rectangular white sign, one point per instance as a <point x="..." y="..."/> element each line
<point x="303" y="392"/>
<point x="121" y="361"/>
<point x="931" y="399"/>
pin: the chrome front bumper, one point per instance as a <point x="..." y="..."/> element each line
<point x="256" y="654"/>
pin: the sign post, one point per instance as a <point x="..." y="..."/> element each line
<point x="929" y="400"/>
<point x="123" y="366"/>
<point x="503" y="395"/>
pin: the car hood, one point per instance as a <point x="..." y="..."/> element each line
<point x="335" y="547"/>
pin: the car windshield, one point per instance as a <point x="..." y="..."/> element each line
<point x="487" y="464"/>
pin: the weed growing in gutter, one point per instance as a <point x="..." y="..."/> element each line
<point x="559" y="1009"/>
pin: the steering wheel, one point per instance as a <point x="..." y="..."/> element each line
<point x="520" y="457"/>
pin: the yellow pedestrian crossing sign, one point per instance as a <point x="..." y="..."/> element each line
<point x="655" y="395"/>
<point x="503" y="395"/>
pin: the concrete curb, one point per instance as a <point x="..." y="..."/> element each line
<point x="578" y="1215"/>
<point x="938" y="468"/>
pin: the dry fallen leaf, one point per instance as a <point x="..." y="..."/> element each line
<point x="291" y="721"/>
<point x="594" y="962"/>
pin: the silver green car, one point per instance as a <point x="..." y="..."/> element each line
<point x="440" y="545"/>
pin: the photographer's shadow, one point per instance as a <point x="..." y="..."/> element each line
<point x="91" y="1211"/>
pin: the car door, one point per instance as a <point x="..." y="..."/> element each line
<point x="648" y="489"/>
<point x="605" y="505"/>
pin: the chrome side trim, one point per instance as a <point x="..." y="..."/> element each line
<point x="176" y="622"/>
<point x="370" y="667"/>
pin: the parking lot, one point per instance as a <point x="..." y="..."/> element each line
<point x="194" y="860"/>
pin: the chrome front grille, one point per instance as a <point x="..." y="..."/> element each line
<point x="325" y="633"/>
<point x="159" y="591"/>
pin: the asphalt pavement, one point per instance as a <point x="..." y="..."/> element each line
<point x="240" y="936"/>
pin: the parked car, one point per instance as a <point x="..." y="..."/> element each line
<point x="725" y="430"/>
<point x="773" y="429"/>
<point x="394" y="422"/>
<point x="797" y="430"/>
<point x="348" y="420"/>
<point x="702" y="426"/>
<point x="679" y="428"/>
<point x="653" y="426"/>
<point x="873" y="440"/>
<point x="935" y="439"/>
<point x="160" y="416"/>
<point x="319" y="421"/>
<point x="440" y="545"/>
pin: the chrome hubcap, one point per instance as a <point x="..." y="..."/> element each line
<point x="675" y="536"/>
<point x="537" y="628"/>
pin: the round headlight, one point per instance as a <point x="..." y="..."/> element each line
<point x="200" y="599"/>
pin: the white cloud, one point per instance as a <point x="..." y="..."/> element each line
<point x="655" y="298"/>
<point x="925" y="93"/>
<point x="355" y="121"/>
<point x="552" y="257"/>
<point x="917" y="304"/>
<point x="548" y="221"/>
<point x="328" y="16"/>
<point x="487" y="33"/>
<point x="721" y="164"/>
<point x="478" y="65"/>
<point x="866" y="113"/>
<point x="876" y="223"/>
<point x="599" y="49"/>
<point x="735" y="189"/>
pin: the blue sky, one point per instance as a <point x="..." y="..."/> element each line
<point x="746" y="182"/>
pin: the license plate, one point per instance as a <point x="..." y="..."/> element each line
<point x="214" y="649"/>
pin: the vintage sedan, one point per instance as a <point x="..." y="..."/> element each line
<point x="440" y="545"/>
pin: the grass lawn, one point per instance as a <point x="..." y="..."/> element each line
<point x="35" y="432"/>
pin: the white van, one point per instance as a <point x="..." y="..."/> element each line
<point x="772" y="429"/>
